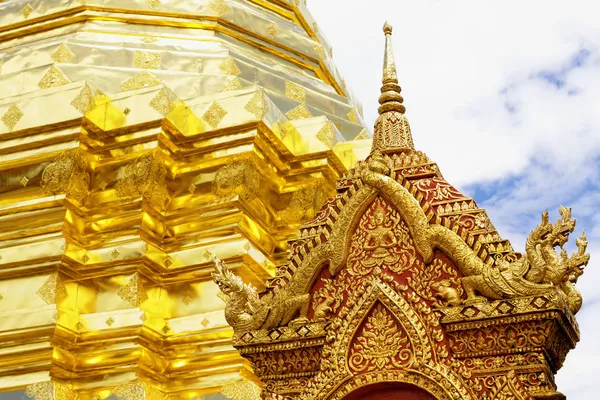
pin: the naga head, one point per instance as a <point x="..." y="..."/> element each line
<point x="557" y="234"/>
<point x="227" y="281"/>
<point x="577" y="262"/>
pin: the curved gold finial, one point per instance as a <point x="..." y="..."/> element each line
<point x="392" y="131"/>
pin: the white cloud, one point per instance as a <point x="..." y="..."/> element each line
<point x="454" y="58"/>
<point x="505" y="97"/>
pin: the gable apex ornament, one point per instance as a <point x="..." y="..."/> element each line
<point x="392" y="130"/>
<point x="402" y="281"/>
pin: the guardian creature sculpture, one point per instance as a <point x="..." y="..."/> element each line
<point x="541" y="269"/>
<point x="246" y="311"/>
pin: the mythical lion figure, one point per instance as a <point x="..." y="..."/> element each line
<point x="246" y="311"/>
<point x="540" y="270"/>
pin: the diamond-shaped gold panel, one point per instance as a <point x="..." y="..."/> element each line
<point x="230" y="67"/>
<point x="214" y="115"/>
<point x="320" y="52"/>
<point x="219" y="7"/>
<point x="149" y="39"/>
<point x="153" y="3"/>
<point x="295" y="92"/>
<point x="53" y="77"/>
<point x="327" y="135"/>
<point x="24" y="181"/>
<point x="53" y="291"/>
<point x="205" y="322"/>
<point x="192" y="188"/>
<point x="84" y="101"/>
<point x="26" y="11"/>
<point x="187" y="300"/>
<point x="352" y="116"/>
<point x="12" y="116"/>
<point x="234" y="84"/>
<point x="362" y="135"/>
<point x="257" y="105"/>
<point x="300" y="112"/>
<point x="109" y="321"/>
<point x="272" y="30"/>
<point x="146" y="60"/>
<point x="62" y="54"/>
<point x="115" y="253"/>
<point x="162" y="102"/>
<point x="133" y="292"/>
<point x="144" y="79"/>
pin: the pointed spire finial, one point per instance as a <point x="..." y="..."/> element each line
<point x="392" y="131"/>
<point x="389" y="64"/>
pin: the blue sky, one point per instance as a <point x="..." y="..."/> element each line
<point x="505" y="97"/>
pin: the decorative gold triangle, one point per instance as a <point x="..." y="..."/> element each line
<point x="53" y="77"/>
<point x="62" y="54"/>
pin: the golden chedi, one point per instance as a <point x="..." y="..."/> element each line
<point x="138" y="138"/>
<point x="401" y="288"/>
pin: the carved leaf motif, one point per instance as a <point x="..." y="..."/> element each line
<point x="381" y="342"/>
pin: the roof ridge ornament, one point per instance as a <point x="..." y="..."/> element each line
<point x="392" y="131"/>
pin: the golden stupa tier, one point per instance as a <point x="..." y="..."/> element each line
<point x="138" y="138"/>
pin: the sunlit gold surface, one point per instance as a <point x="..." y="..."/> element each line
<point x="138" y="138"/>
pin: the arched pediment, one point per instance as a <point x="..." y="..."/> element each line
<point x="384" y="338"/>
